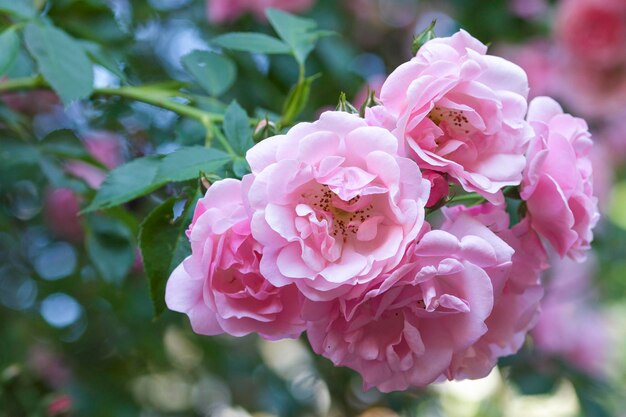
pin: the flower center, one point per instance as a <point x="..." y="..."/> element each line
<point x="451" y="121"/>
<point x="345" y="217"/>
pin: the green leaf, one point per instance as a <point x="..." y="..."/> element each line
<point x="189" y="162"/>
<point x="110" y="246"/>
<point x="215" y="73"/>
<point x="101" y="57"/>
<point x="252" y="42"/>
<point x="127" y="182"/>
<point x="62" y="61"/>
<point x="18" y="8"/>
<point x="297" y="100"/>
<point x="299" y="33"/>
<point x="237" y="128"/>
<point x="144" y="175"/>
<point x="9" y="45"/>
<point x="241" y="167"/>
<point x="14" y="153"/>
<point x="163" y="246"/>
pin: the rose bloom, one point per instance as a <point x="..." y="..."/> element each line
<point x="592" y="31"/>
<point x="333" y="205"/>
<point x="516" y="297"/>
<point x="405" y="330"/>
<point x="570" y="325"/>
<point x="219" y="285"/>
<point x="558" y="185"/>
<point x="460" y="111"/>
<point x="222" y="11"/>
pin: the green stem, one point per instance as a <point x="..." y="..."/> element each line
<point x="160" y="99"/>
<point x="29" y="83"/>
<point x="222" y="139"/>
<point x="154" y="95"/>
<point x="301" y="73"/>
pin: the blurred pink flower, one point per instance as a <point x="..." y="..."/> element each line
<point x="30" y="102"/>
<point x="60" y="405"/>
<point x="219" y="285"/>
<point x="570" y="325"/>
<point x="223" y="11"/>
<point x="539" y="59"/>
<point x="60" y="211"/>
<point x="461" y="112"/>
<point x="604" y="166"/>
<point x="406" y="329"/>
<point x="105" y="147"/>
<point x="333" y="205"/>
<point x="528" y="9"/>
<point x="49" y="366"/>
<point x="592" y="31"/>
<point x="591" y="90"/>
<point x="557" y="185"/>
<point x="612" y="137"/>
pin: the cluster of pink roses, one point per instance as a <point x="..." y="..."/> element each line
<point x="329" y="234"/>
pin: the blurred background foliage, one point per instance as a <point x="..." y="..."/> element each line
<point x="77" y="326"/>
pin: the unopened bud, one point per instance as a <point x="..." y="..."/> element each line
<point x="370" y="101"/>
<point x="438" y="187"/>
<point x="426" y="35"/>
<point x="264" y="129"/>
<point x="345" y="106"/>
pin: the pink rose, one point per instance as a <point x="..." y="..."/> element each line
<point x="222" y="11"/>
<point x="405" y="330"/>
<point x="60" y="211"/>
<point x="557" y="185"/>
<point x="461" y="112"/>
<point x="219" y="285"/>
<point x="333" y="205"/>
<point x="592" y="31"/>
<point x="570" y="326"/>
<point x="105" y="147"/>
<point x="516" y="295"/>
